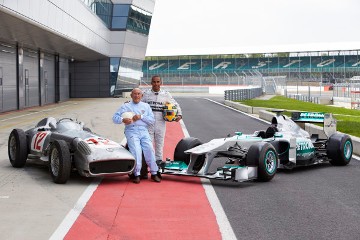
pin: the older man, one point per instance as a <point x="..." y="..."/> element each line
<point x="137" y="117"/>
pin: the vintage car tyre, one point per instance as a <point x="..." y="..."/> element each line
<point x="339" y="149"/>
<point x="59" y="161"/>
<point x="186" y="144"/>
<point x="264" y="156"/>
<point x="17" y="148"/>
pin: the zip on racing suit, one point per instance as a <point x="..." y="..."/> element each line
<point x="157" y="101"/>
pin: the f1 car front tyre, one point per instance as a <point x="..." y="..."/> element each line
<point x="17" y="148"/>
<point x="339" y="149"/>
<point x="264" y="156"/>
<point x="59" y="160"/>
<point x="186" y="144"/>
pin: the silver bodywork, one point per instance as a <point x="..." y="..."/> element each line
<point x="294" y="146"/>
<point x="91" y="154"/>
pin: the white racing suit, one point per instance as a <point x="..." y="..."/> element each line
<point x="157" y="101"/>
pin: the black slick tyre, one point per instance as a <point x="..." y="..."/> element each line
<point x="183" y="145"/>
<point x="59" y="161"/>
<point x="264" y="156"/>
<point x="339" y="149"/>
<point x="186" y="144"/>
<point x="17" y="148"/>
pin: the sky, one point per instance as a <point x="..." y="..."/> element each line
<point x="195" y="27"/>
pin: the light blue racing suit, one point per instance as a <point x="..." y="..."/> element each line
<point x="137" y="134"/>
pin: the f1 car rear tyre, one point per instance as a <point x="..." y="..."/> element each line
<point x="339" y="149"/>
<point x="17" y="148"/>
<point x="59" y="160"/>
<point x="186" y="144"/>
<point x="264" y="156"/>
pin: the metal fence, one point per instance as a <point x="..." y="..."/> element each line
<point x="304" y="98"/>
<point x="243" y="94"/>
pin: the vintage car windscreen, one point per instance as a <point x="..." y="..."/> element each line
<point x="68" y="125"/>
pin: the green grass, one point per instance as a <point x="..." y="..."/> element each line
<point x="348" y="120"/>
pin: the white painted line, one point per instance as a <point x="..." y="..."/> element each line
<point x="356" y="157"/>
<point x="224" y="225"/>
<point x="74" y="213"/>
<point x="225" y="228"/>
<point x="236" y="110"/>
<point x="186" y="133"/>
<point x="28" y="114"/>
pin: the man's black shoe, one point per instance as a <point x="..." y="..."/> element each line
<point x="155" y="178"/>
<point x="136" y="179"/>
<point x="144" y="176"/>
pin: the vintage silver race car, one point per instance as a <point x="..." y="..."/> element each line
<point x="285" y="144"/>
<point x="66" y="144"/>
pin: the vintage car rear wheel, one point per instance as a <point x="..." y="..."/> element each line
<point x="264" y="156"/>
<point x="186" y="144"/>
<point x="59" y="160"/>
<point x="17" y="148"/>
<point x="339" y="149"/>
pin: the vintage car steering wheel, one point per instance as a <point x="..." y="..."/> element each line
<point x="66" y="118"/>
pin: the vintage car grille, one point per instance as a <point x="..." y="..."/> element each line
<point x="111" y="166"/>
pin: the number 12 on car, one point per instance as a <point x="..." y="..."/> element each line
<point x="38" y="140"/>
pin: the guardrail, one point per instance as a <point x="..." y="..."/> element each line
<point x="304" y="98"/>
<point x="243" y="94"/>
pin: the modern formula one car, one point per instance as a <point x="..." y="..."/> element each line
<point x="66" y="144"/>
<point x="285" y="144"/>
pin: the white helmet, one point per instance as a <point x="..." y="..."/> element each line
<point x="127" y="115"/>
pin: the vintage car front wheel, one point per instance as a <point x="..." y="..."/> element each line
<point x="264" y="156"/>
<point x="17" y="148"/>
<point x="339" y="149"/>
<point x="59" y="160"/>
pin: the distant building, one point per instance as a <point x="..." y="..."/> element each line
<point x="53" y="50"/>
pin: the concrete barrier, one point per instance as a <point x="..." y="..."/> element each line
<point x="239" y="106"/>
<point x="342" y="102"/>
<point x="265" y="114"/>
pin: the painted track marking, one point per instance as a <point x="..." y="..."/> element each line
<point x="177" y="207"/>
<point x="225" y="227"/>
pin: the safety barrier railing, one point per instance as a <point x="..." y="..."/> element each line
<point x="243" y="94"/>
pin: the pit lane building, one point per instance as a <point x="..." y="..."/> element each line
<point x="53" y="50"/>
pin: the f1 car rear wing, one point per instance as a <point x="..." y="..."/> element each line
<point x="316" y="117"/>
<point x="308" y="117"/>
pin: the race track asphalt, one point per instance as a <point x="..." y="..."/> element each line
<point x="316" y="202"/>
